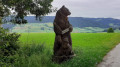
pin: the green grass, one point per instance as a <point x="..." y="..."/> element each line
<point x="90" y="48"/>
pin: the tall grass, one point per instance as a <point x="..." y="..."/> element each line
<point x="34" y="55"/>
<point x="90" y="48"/>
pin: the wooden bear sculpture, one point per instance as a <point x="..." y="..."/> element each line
<point x="63" y="41"/>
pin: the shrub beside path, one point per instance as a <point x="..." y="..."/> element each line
<point x="112" y="59"/>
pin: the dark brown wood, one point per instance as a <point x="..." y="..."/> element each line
<point x="63" y="41"/>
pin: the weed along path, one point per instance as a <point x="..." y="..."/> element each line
<point x="112" y="59"/>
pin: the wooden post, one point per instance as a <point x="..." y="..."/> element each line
<point x="0" y="14"/>
<point x="0" y="22"/>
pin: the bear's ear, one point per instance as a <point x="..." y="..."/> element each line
<point x="63" y="6"/>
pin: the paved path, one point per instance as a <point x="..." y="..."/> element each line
<point x="112" y="59"/>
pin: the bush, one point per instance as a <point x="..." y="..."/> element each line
<point x="110" y="30"/>
<point x="8" y="45"/>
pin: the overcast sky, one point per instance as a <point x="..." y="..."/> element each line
<point x="90" y="8"/>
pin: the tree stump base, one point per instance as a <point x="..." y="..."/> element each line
<point x="60" y="59"/>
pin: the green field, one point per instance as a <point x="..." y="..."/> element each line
<point x="90" y="48"/>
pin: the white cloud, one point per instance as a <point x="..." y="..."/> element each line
<point x="90" y="8"/>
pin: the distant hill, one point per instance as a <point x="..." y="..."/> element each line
<point x="48" y="28"/>
<point x="76" y="22"/>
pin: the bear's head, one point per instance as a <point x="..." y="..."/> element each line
<point x="65" y="11"/>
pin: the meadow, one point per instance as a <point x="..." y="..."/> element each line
<point x="37" y="49"/>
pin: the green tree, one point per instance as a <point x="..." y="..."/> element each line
<point x="21" y="8"/>
<point x="18" y="9"/>
<point x="3" y="12"/>
<point x="110" y="30"/>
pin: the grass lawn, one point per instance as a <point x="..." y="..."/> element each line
<point x="90" y="48"/>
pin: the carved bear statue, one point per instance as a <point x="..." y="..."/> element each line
<point x="62" y="29"/>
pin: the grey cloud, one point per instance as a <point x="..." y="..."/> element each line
<point x="91" y="8"/>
